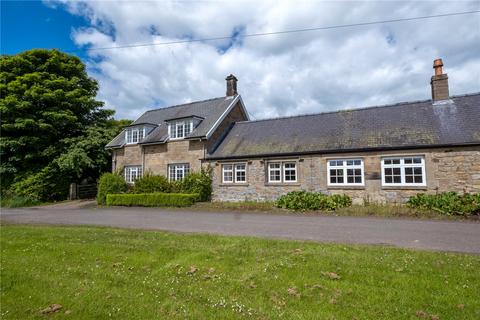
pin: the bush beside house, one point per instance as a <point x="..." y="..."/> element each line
<point x="196" y="182"/>
<point x="449" y="203"/>
<point x="156" y="199"/>
<point x="304" y="200"/>
<point x="152" y="183"/>
<point x="110" y="183"/>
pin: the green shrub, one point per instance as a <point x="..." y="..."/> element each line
<point x="16" y="201"/>
<point x="110" y="183"/>
<point x="449" y="203"/>
<point x="304" y="200"/>
<point x="152" y="199"/>
<point x="45" y="185"/>
<point x="152" y="183"/>
<point x="196" y="182"/>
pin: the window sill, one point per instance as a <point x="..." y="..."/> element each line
<point x="282" y="184"/>
<point x="234" y="184"/>
<point x="404" y="188"/>
<point x="346" y="187"/>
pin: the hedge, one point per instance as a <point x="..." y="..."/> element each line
<point x="152" y="199"/>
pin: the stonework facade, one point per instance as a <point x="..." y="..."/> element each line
<point x="453" y="169"/>
<point x="328" y="152"/>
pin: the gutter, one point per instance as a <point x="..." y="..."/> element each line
<point x="284" y="154"/>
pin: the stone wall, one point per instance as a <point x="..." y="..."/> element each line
<point x="128" y="156"/>
<point x="454" y="169"/>
<point x="158" y="157"/>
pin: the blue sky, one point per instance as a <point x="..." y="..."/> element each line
<point x="32" y="24"/>
<point x="278" y="75"/>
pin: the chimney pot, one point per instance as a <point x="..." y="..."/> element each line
<point x="439" y="82"/>
<point x="231" y="85"/>
<point x="438" y="66"/>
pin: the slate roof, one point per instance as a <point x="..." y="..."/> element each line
<point x="209" y="110"/>
<point x="399" y="126"/>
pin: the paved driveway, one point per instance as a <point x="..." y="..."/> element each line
<point x="432" y="235"/>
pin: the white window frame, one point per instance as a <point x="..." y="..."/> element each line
<point x="274" y="169"/>
<point x="129" y="172"/>
<point x="184" y="168"/>
<point x="138" y="132"/>
<point x="230" y="170"/>
<point x="282" y="170"/>
<point x="344" y="167"/>
<point x="237" y="170"/>
<point x="174" y="134"/>
<point x="233" y="169"/>
<point x="289" y="169"/>
<point x="402" y="165"/>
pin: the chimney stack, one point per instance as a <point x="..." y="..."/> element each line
<point x="439" y="82"/>
<point x="231" y="85"/>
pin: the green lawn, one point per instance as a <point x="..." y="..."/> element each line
<point x="102" y="273"/>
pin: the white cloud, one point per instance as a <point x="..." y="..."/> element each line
<point x="279" y="74"/>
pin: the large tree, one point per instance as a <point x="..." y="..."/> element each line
<point x="52" y="127"/>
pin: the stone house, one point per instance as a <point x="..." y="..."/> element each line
<point x="173" y="141"/>
<point x="376" y="154"/>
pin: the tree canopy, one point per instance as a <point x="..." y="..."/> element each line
<point x="53" y="130"/>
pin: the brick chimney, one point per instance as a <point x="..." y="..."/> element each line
<point x="439" y="82"/>
<point x="231" y="85"/>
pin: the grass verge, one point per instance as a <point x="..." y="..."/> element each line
<point x="101" y="273"/>
<point x="372" y="210"/>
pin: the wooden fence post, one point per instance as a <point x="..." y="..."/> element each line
<point x="73" y="191"/>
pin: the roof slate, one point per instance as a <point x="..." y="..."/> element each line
<point x="210" y="110"/>
<point x="411" y="124"/>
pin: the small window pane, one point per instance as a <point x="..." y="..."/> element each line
<point x="408" y="160"/>
<point x="274" y="172"/>
<point x="240" y="173"/>
<point x="290" y="171"/>
<point x="417" y="160"/>
<point x="227" y="173"/>
<point x="397" y="179"/>
<point x="418" y="179"/>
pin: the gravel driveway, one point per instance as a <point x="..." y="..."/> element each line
<point x="422" y="234"/>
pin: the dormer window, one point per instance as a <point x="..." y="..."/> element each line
<point x="180" y="129"/>
<point x="134" y="135"/>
